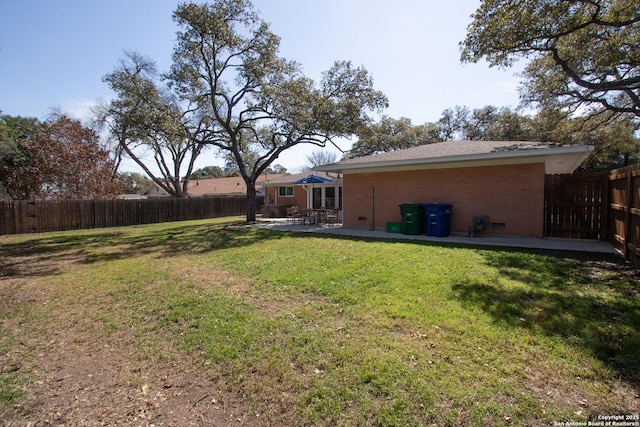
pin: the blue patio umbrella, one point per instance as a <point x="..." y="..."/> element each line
<point x="313" y="179"/>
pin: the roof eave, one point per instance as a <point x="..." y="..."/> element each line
<point x="581" y="150"/>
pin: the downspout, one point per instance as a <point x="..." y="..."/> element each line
<point x="372" y="209"/>
<point x="306" y="188"/>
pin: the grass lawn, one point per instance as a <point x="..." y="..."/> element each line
<point x="322" y="330"/>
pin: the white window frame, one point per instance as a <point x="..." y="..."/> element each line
<point x="286" y="191"/>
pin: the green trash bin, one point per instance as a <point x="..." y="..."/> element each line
<point x="412" y="218"/>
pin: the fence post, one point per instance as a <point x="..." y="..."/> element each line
<point x="627" y="215"/>
<point x="604" y="211"/>
<point x="31" y="216"/>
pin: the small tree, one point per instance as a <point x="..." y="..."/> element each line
<point x="63" y="160"/>
<point x="321" y="157"/>
<point x="133" y="182"/>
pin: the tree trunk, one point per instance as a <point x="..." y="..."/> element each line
<point x="251" y="202"/>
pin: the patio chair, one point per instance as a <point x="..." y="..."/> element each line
<point x="333" y="216"/>
<point x="300" y="215"/>
<point x="292" y="215"/>
<point x="307" y="216"/>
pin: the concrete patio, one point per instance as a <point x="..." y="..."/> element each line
<point x="554" y="244"/>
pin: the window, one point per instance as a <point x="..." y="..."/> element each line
<point x="285" y="191"/>
<point x="330" y="197"/>
<point x="325" y="197"/>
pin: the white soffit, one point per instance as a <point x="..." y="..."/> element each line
<point x="565" y="162"/>
<point x="557" y="160"/>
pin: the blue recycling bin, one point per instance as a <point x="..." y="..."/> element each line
<point x="437" y="219"/>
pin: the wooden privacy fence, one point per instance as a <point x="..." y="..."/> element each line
<point x="604" y="206"/>
<point x="624" y="211"/>
<point x="38" y="216"/>
<point x="576" y="206"/>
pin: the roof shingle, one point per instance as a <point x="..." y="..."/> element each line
<point x="451" y="149"/>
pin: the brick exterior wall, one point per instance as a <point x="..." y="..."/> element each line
<point x="512" y="196"/>
<point x="299" y="196"/>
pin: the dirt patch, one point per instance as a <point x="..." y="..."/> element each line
<point x="607" y="271"/>
<point x="79" y="375"/>
<point x="87" y="384"/>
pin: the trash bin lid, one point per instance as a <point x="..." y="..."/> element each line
<point x="437" y="206"/>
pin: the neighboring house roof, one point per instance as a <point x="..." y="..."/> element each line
<point x="558" y="158"/>
<point x="310" y="177"/>
<point x="225" y="186"/>
<point x="233" y="185"/>
<point x="154" y="191"/>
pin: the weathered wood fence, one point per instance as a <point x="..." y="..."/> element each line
<point x="604" y="206"/>
<point x="38" y="216"/>
<point x="576" y="206"/>
<point x="624" y="211"/>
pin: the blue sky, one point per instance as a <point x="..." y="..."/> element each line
<point x="54" y="53"/>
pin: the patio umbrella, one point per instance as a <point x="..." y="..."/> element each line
<point x="313" y="179"/>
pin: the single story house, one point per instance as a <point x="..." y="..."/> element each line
<point x="308" y="190"/>
<point x="226" y="186"/>
<point x="500" y="181"/>
<point x="153" y="191"/>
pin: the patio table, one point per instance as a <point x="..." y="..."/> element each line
<point x="314" y="216"/>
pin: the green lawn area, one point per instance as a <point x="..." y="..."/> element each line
<point x="322" y="330"/>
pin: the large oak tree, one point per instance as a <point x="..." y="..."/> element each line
<point x="146" y="121"/>
<point x="229" y="89"/>
<point x="250" y="103"/>
<point x="584" y="54"/>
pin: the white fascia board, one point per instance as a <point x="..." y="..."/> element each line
<point x="468" y="160"/>
<point x="469" y="163"/>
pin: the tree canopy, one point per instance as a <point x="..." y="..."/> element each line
<point x="247" y="101"/>
<point x="146" y="118"/>
<point x="60" y="159"/>
<point x="13" y="128"/>
<point x="208" y="172"/>
<point x="229" y="89"/>
<point x="390" y="134"/>
<point x="615" y="142"/>
<point x="584" y="54"/>
<point x="133" y="182"/>
<point x="320" y="158"/>
<point x="14" y="160"/>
